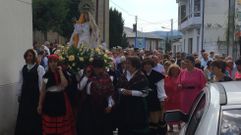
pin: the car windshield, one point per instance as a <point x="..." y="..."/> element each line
<point x="196" y="115"/>
<point x="231" y="122"/>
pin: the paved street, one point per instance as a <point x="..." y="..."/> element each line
<point x="172" y="133"/>
<point x="176" y="132"/>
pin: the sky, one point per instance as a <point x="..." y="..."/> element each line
<point x="153" y="15"/>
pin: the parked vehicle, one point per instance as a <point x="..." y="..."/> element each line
<point x="216" y="111"/>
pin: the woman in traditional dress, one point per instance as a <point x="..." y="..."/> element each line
<point x="156" y="98"/>
<point x="219" y="71"/>
<point x="28" y="120"/>
<point x="173" y="94"/>
<point x="133" y="87"/>
<point x="191" y="81"/>
<point x="54" y="105"/>
<point x="93" y="116"/>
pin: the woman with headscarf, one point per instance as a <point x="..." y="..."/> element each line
<point x="54" y="105"/>
<point x="28" y="120"/>
<point x="190" y="82"/>
<point x="93" y="117"/>
<point x="133" y="88"/>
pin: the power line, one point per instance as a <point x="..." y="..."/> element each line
<point x="127" y="12"/>
<point x="122" y="8"/>
<point x="154" y="23"/>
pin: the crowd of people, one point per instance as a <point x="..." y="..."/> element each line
<point x="130" y="96"/>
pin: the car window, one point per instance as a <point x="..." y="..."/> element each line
<point x="231" y="122"/>
<point x="196" y="116"/>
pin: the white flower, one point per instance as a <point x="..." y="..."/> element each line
<point x="91" y="59"/>
<point x="57" y="52"/>
<point x="81" y="59"/>
<point x="71" y="58"/>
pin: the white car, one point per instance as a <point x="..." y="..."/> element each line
<point x="216" y="111"/>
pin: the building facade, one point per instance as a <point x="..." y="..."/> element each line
<point x="15" y="37"/>
<point x="145" y="41"/>
<point x="176" y="46"/>
<point x="102" y="19"/>
<point x="204" y="25"/>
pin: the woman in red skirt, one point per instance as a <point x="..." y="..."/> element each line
<point x="54" y="105"/>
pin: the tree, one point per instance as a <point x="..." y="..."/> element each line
<point x="124" y="41"/>
<point x="117" y="35"/>
<point x="50" y="15"/>
<point x="73" y="14"/>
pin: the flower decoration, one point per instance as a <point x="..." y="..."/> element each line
<point x="79" y="58"/>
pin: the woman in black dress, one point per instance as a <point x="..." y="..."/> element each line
<point x="94" y="111"/>
<point x="28" y="120"/>
<point x="155" y="98"/>
<point x="132" y="107"/>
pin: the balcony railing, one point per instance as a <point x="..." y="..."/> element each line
<point x="184" y="19"/>
<point x="190" y="21"/>
<point x="195" y="14"/>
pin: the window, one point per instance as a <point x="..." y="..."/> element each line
<point x="198" y="43"/>
<point x="197" y="7"/>
<point x="231" y="122"/>
<point x="190" y="8"/>
<point x="190" y="40"/>
<point x="183" y="13"/>
<point x="196" y="115"/>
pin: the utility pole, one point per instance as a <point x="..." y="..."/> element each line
<point x="136" y="33"/>
<point x="171" y="34"/>
<point x="202" y="27"/>
<point x="231" y="43"/>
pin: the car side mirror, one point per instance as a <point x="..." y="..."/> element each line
<point x="175" y="115"/>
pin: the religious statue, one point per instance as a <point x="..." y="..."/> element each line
<point x="86" y="31"/>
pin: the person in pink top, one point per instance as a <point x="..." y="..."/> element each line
<point x="238" y="72"/>
<point x="190" y="82"/>
<point x="173" y="95"/>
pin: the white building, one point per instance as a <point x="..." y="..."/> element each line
<point x="15" y="38"/>
<point x="204" y="25"/>
<point x="176" y="46"/>
<point x="146" y="41"/>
